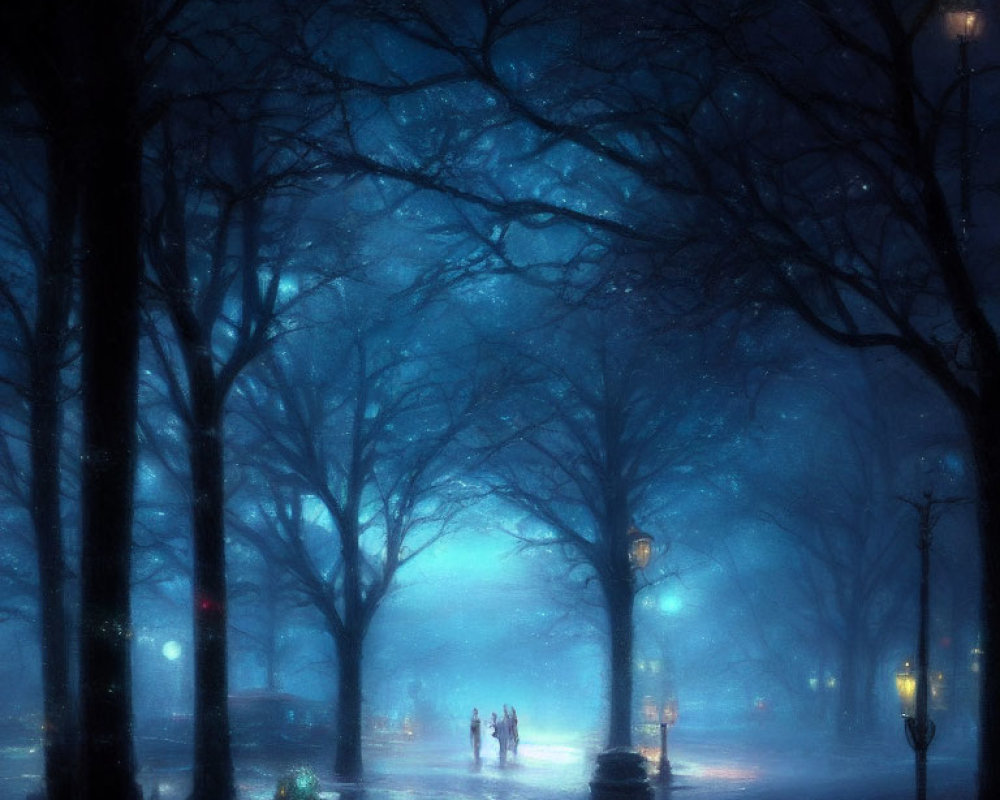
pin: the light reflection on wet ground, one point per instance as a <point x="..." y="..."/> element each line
<point x="547" y="771"/>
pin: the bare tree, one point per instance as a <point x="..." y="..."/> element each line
<point x="846" y="215"/>
<point x="356" y="421"/>
<point x="586" y="452"/>
<point x="41" y="334"/>
<point x="219" y="248"/>
<point x="793" y="156"/>
<point x="838" y="512"/>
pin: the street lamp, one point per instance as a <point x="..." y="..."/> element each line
<point x="906" y="688"/>
<point x="669" y="718"/>
<point x="621" y="772"/>
<point x="964" y="21"/>
<point x="640" y="547"/>
<point x="918" y="726"/>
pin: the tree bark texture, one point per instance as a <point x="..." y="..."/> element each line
<point x="110" y="228"/>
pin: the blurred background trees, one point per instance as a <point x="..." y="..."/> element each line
<point x="584" y="264"/>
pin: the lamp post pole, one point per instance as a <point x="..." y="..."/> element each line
<point x="920" y="728"/>
<point x="664" y="761"/>
<point x="668" y="718"/>
<point x="964" y="21"/>
<point x="965" y="156"/>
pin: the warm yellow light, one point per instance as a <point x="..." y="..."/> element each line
<point x="906" y="688"/>
<point x="670" y="712"/>
<point x="964" y="24"/>
<point x="640" y="547"/>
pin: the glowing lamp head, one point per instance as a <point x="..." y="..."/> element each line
<point x="670" y="712"/>
<point x="171" y="650"/>
<point x="640" y="547"/>
<point x="906" y="688"/>
<point x="963" y="20"/>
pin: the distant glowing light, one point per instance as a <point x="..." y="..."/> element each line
<point x="172" y="650"/>
<point x="671" y="604"/>
<point x="727" y="772"/>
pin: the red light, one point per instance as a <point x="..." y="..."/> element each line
<point x="207" y="604"/>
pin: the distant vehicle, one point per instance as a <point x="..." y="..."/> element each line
<point x="260" y="720"/>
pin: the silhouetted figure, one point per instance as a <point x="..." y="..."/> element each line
<point x="514" y="737"/>
<point x="475" y="733"/>
<point x="503" y="735"/>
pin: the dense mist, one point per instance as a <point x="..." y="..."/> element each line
<point x="627" y="367"/>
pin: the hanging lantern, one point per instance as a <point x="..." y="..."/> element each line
<point x="963" y="20"/>
<point x="906" y="688"/>
<point x="640" y="547"/>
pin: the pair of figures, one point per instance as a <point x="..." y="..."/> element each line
<point x="503" y="729"/>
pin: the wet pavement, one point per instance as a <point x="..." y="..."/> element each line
<point x="702" y="770"/>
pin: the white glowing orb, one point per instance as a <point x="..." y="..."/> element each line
<point x="671" y="604"/>
<point x="172" y="650"/>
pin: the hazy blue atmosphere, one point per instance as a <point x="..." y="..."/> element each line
<point x="630" y="367"/>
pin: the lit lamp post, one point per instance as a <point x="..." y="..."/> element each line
<point x="621" y="772"/>
<point x="918" y="725"/>
<point x="669" y="718"/>
<point x="964" y="20"/>
<point x="640" y="547"/>
<point x="906" y="688"/>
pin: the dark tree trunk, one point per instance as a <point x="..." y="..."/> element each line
<point x="54" y="291"/>
<point x="986" y="446"/>
<point x="110" y="227"/>
<point x="869" y="698"/>
<point x="348" y="764"/>
<point x="213" y="766"/>
<point x="847" y="716"/>
<point x="620" y="599"/>
<point x="272" y="622"/>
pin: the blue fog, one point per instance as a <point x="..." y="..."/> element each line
<point x="563" y="357"/>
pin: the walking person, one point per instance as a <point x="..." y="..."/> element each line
<point x="514" y="737"/>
